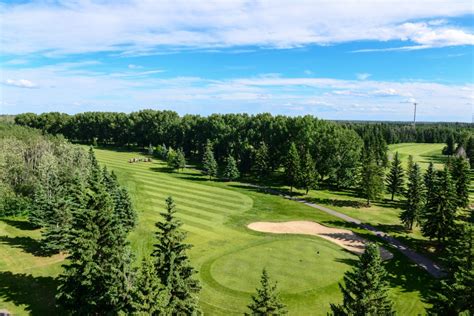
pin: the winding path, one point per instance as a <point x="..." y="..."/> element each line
<point x="429" y="265"/>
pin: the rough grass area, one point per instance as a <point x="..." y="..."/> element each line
<point x="229" y="256"/>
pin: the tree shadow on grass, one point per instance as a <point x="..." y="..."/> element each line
<point x="35" y="293"/>
<point x="27" y="244"/>
<point x="23" y="225"/>
<point x="337" y="203"/>
<point x="403" y="274"/>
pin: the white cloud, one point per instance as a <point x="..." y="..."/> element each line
<point x="363" y="76"/>
<point x="147" y="27"/>
<point x="133" y="66"/>
<point x="20" y="83"/>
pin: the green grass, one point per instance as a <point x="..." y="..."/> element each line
<point x="229" y="257"/>
<point x="423" y="154"/>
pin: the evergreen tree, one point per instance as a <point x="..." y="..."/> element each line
<point x="231" y="172"/>
<point x="429" y="179"/>
<point x="454" y="294"/>
<point x="36" y="216"/>
<point x="366" y="290"/>
<point x="450" y="143"/>
<point x="460" y="174"/>
<point x="97" y="278"/>
<point x="470" y="151"/>
<point x="209" y="163"/>
<point x="180" y="160"/>
<point x="262" y="167"/>
<point x="150" y="150"/>
<point x="171" y="158"/>
<point x="292" y="166"/>
<point x="266" y="301"/>
<point x="57" y="224"/>
<point x="309" y="175"/>
<point x="172" y="264"/>
<point x="149" y="297"/>
<point x="414" y="196"/>
<point x="371" y="179"/>
<point x="440" y="207"/>
<point x="395" y="177"/>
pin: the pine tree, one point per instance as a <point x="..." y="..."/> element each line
<point x="180" y="160"/>
<point x="266" y="301"/>
<point x="292" y="166"/>
<point x="172" y="264"/>
<point x="414" y="196"/>
<point x="57" y="224"/>
<point x="308" y="175"/>
<point x="395" y="177"/>
<point x="262" y="167"/>
<point x="460" y="174"/>
<point x="454" y="294"/>
<point x="150" y="149"/>
<point x="231" y="172"/>
<point x="209" y="163"/>
<point x="365" y="290"/>
<point x="440" y="207"/>
<point x="470" y="151"/>
<point x="429" y="179"/>
<point x="149" y="297"/>
<point x="97" y="278"/>
<point x="450" y="143"/>
<point x="371" y="179"/>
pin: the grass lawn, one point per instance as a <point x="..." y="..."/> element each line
<point x="229" y="257"/>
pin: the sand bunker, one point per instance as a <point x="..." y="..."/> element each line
<point x="343" y="237"/>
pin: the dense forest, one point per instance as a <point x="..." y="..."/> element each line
<point x="335" y="147"/>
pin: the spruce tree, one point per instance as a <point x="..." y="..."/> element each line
<point x="57" y="224"/>
<point x="308" y="176"/>
<point x="292" y="166"/>
<point x="266" y="301"/>
<point x="172" y="264"/>
<point x="414" y="196"/>
<point x="460" y="175"/>
<point x="429" y="180"/>
<point x="96" y="279"/>
<point x="470" y="151"/>
<point x="454" y="294"/>
<point x="209" y="163"/>
<point x="371" y="179"/>
<point x="180" y="160"/>
<point x="365" y="290"/>
<point x="231" y="172"/>
<point x="149" y="297"/>
<point x="395" y="177"/>
<point x="440" y="208"/>
<point x="150" y="149"/>
<point x="450" y="143"/>
<point x="262" y="167"/>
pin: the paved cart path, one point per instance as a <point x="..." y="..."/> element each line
<point x="429" y="265"/>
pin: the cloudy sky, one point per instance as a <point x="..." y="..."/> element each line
<point x="336" y="59"/>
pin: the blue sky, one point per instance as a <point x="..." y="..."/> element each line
<point x="333" y="59"/>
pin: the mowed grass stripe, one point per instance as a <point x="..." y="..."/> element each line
<point x="197" y="203"/>
<point x="228" y="195"/>
<point x="191" y="207"/>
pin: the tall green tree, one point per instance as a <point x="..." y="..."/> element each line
<point x="231" y="172"/>
<point x="454" y="294"/>
<point x="292" y="166"/>
<point x="97" y="278"/>
<point x="365" y="289"/>
<point x="149" y="296"/>
<point x="414" y="196"/>
<point x="309" y="175"/>
<point x="262" y="166"/>
<point x="176" y="159"/>
<point x="429" y="180"/>
<point x="172" y="264"/>
<point x="371" y="184"/>
<point x="395" y="177"/>
<point x="266" y="302"/>
<point x="440" y="208"/>
<point x="460" y="175"/>
<point x="470" y="151"/>
<point x="450" y="144"/>
<point x="209" y="163"/>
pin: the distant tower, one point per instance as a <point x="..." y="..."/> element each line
<point x="414" y="114"/>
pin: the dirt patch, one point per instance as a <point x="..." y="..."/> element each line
<point x="343" y="237"/>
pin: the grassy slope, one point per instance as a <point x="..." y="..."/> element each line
<point x="228" y="256"/>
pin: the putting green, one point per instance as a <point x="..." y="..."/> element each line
<point x="291" y="262"/>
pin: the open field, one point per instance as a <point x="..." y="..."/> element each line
<point x="229" y="256"/>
